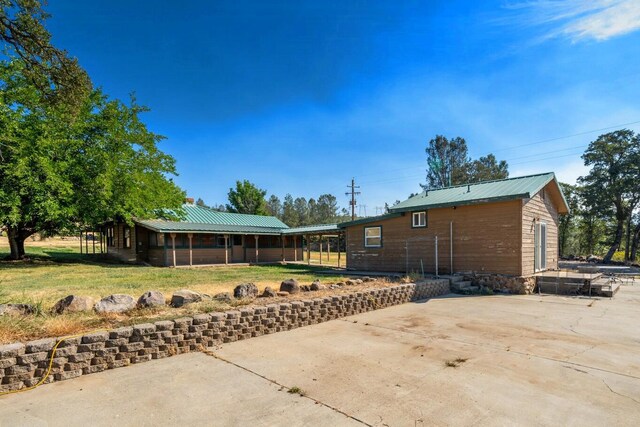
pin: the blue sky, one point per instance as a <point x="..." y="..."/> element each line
<point x="301" y="96"/>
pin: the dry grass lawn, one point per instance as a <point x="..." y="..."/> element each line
<point x="56" y="269"/>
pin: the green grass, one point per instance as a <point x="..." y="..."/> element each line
<point x="53" y="272"/>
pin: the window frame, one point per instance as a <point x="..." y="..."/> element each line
<point x="413" y="219"/>
<point x="379" y="236"/>
<point x="126" y="237"/>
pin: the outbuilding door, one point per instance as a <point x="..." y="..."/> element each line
<point x="540" y="253"/>
<point x="237" y="248"/>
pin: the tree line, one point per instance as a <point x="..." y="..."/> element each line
<point x="605" y="216"/>
<point x="247" y="198"/>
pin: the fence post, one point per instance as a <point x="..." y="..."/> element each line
<point x="437" y="257"/>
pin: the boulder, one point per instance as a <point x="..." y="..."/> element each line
<point x="349" y="282"/>
<point x="317" y="286"/>
<point x="116" y="303"/>
<point x="245" y="290"/>
<point x="16" y="309"/>
<point x="268" y="292"/>
<point x="223" y="297"/>
<point x="184" y="297"/>
<point x="282" y="293"/>
<point x="151" y="299"/>
<point x="290" y="285"/>
<point x="305" y="288"/>
<point x="368" y="279"/>
<point x="73" y="304"/>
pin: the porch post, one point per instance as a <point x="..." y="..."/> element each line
<point x="173" y="247"/>
<point x="226" y="249"/>
<point x="256" y="236"/>
<point x="339" y="251"/>
<point x="321" y="249"/>
<point x="86" y="243"/>
<point x="284" y="257"/>
<point x="308" y="250"/>
<point x="190" y="236"/>
<point x="93" y="234"/>
<point x="295" y="248"/>
<point x="328" y="249"/>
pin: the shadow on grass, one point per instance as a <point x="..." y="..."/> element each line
<point x="47" y="257"/>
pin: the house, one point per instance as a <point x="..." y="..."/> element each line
<point x="203" y="236"/>
<point x="507" y="226"/>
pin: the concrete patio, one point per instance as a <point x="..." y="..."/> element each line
<point x="527" y="360"/>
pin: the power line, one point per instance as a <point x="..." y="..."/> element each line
<point x="567" y="136"/>
<point x="523" y="145"/>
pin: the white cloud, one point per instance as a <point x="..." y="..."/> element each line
<point x="580" y="19"/>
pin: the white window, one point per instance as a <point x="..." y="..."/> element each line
<point x="373" y="237"/>
<point x="419" y="219"/>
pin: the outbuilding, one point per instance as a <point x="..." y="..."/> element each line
<point x="507" y="226"/>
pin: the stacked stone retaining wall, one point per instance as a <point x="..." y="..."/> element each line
<point x="24" y="365"/>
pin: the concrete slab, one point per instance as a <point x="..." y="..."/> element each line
<point x="526" y="360"/>
<point x="192" y="389"/>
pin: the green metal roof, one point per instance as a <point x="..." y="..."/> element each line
<point x="205" y="220"/>
<point x="480" y="192"/>
<point x="312" y="229"/>
<point x="369" y="219"/>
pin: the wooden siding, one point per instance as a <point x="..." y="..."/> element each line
<point x="118" y="250"/>
<point x="486" y="238"/>
<point x="540" y="207"/>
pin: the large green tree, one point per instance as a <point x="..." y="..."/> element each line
<point x="449" y="164"/>
<point x="56" y="75"/>
<point x="612" y="182"/>
<point x="62" y="174"/>
<point x="246" y="198"/>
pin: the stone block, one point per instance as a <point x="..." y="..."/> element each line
<point x="11" y="350"/>
<point x="98" y="337"/>
<point x="144" y="329"/>
<point x="38" y="346"/>
<point x="32" y="358"/>
<point x="124" y="332"/>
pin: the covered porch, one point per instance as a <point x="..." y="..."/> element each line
<point x="325" y="235"/>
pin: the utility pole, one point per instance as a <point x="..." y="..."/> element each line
<point x="353" y="194"/>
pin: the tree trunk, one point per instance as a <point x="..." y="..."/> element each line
<point x="627" y="246"/>
<point x="617" y="240"/>
<point x="636" y="241"/>
<point x="17" y="237"/>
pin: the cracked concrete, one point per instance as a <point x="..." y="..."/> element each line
<point x="531" y="360"/>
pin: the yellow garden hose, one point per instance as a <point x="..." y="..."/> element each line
<point x="53" y="354"/>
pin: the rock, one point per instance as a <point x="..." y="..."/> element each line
<point x="594" y="259"/>
<point x="16" y="309"/>
<point x="183" y="297"/>
<point x="151" y="299"/>
<point x="223" y="297"/>
<point x="305" y="288"/>
<point x="117" y="303"/>
<point x="317" y="286"/>
<point x="368" y="279"/>
<point x="349" y="282"/>
<point x="268" y="292"/>
<point x="74" y="304"/>
<point x="282" y="293"/>
<point x="339" y="284"/>
<point x="291" y="286"/>
<point x="246" y="290"/>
